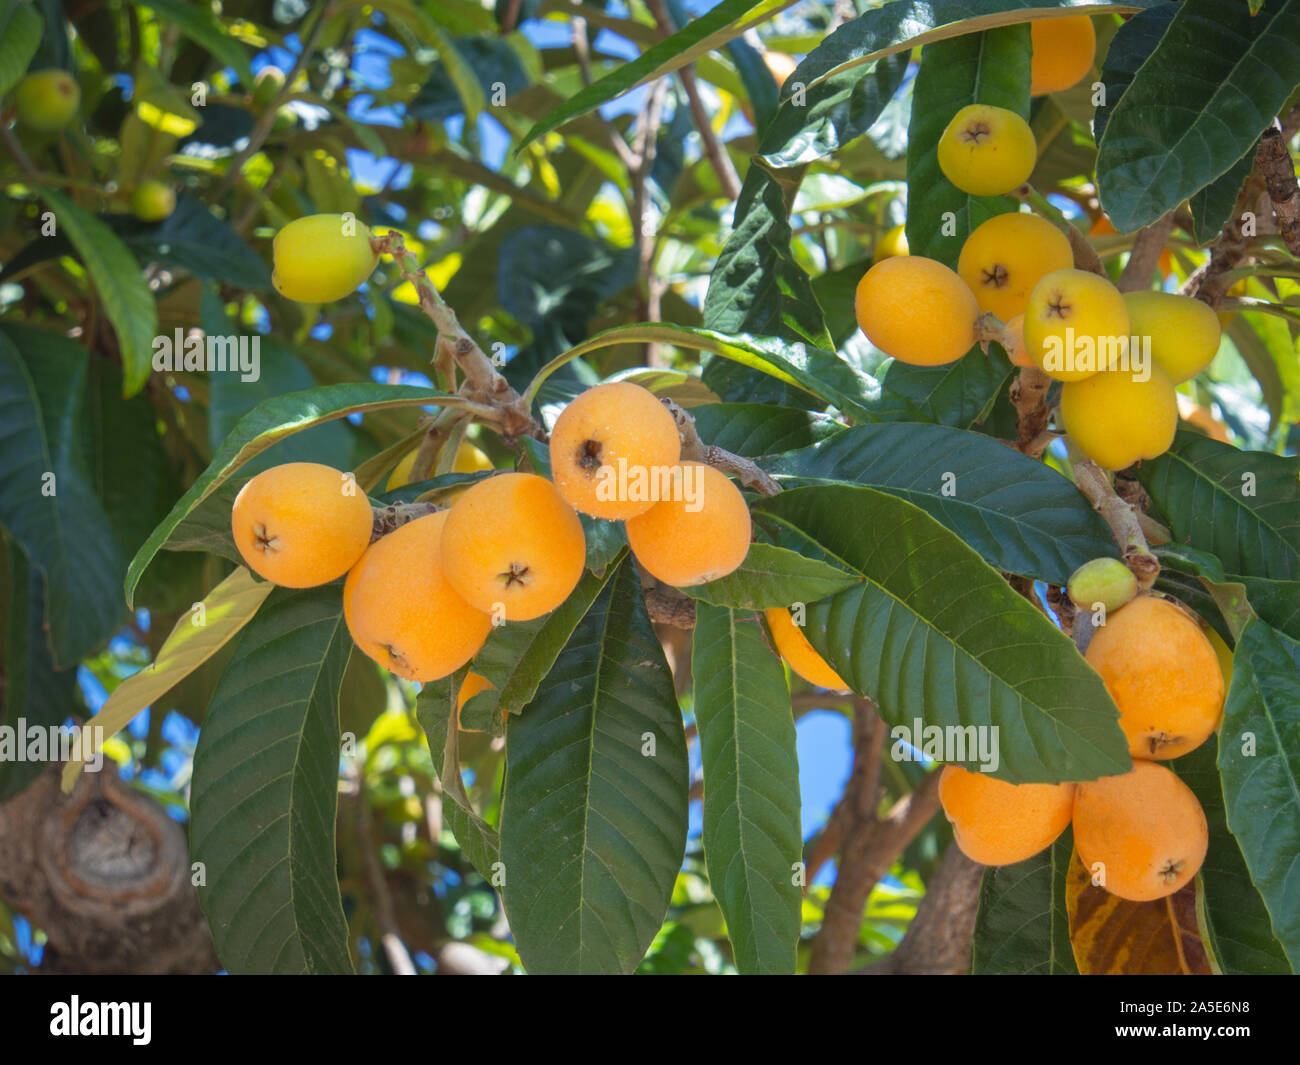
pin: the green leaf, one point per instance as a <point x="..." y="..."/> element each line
<point x="752" y="840"/>
<point x="1021" y="927"/>
<point x="934" y="633"/>
<point x="754" y="429"/>
<point x="1212" y="207"/>
<point x="20" y="35"/>
<point x="756" y="285"/>
<point x="961" y="394"/>
<point x="47" y="501"/>
<point x="265" y="792"/>
<point x="1234" y="920"/>
<point x="435" y="708"/>
<point x="263" y="426"/>
<point x="818" y="372"/>
<point x="34" y="690"/>
<point x="194" y="639"/>
<point x="593" y="828"/>
<point x="1259" y="759"/>
<point x="834" y="112"/>
<point x="119" y="284"/>
<point x="773" y="576"/>
<point x="904" y="25"/>
<point x="518" y="656"/>
<point x="1196" y="106"/>
<point x="987" y="68"/>
<point x="1020" y="515"/>
<point x="710" y="31"/>
<point x="1242" y="506"/>
<point x="205" y="29"/>
<point x="1132" y="44"/>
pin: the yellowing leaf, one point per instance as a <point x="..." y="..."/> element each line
<point x="226" y="610"/>
<point x="1112" y="936"/>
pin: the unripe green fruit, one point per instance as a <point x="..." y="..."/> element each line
<point x="270" y="80"/>
<point x="1103" y="580"/>
<point x="322" y="258"/>
<point x="285" y="120"/>
<point x="152" y="201"/>
<point x="47" y="100"/>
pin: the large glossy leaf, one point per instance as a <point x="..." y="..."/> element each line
<point x="1242" y="506"/>
<point x="266" y="424"/>
<point x="436" y="710"/>
<point x="1020" y="515"/>
<point x="196" y="637"/>
<point x="1259" y="759"/>
<point x="47" y="501"/>
<point x="906" y="24"/>
<point x="962" y="394"/>
<point x="935" y="634"/>
<point x="265" y="792"/>
<point x="518" y="655"/>
<point x="773" y="576"/>
<point x="986" y="68"/>
<point x="819" y="373"/>
<point x="1021" y="927"/>
<point x="831" y="114"/>
<point x="20" y="34"/>
<point x="118" y="283"/>
<point x="1234" y="921"/>
<point x="756" y="285"/>
<point x="724" y="22"/>
<point x="1132" y="44"/>
<point x="752" y="840"/>
<point x="593" y="818"/>
<point x="193" y="238"/>
<point x="754" y="429"/>
<point x="34" y="690"/>
<point x="1197" y="105"/>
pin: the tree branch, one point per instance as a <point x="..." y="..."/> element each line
<point x="1280" y="182"/>
<point x="1145" y="256"/>
<point x="1122" y="519"/>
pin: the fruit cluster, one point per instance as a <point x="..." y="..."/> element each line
<point x="422" y="599"/>
<point x="1142" y="834"/>
<point x="1120" y="355"/>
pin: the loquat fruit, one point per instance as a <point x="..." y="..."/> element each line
<point x="987" y="150"/>
<point x="153" y="201"/>
<point x="47" y="100"/>
<point x="322" y="258"/>
<point x="894" y="242"/>
<point x="611" y="427"/>
<point x="1063" y="51"/>
<point x="513" y="544"/>
<point x="403" y="612"/>
<point x="1163" y="674"/>
<point x="998" y="823"/>
<point x="798" y="653"/>
<point x="301" y="524"/>
<point x="469" y="459"/>
<point x="1117" y="419"/>
<point x="1104" y="581"/>
<point x="1142" y="833"/>
<point x="1075" y="322"/>
<point x="1005" y="257"/>
<point x="916" y="310"/>
<point x="699" y="534"/>
<point x="1013" y="341"/>
<point x="1184" y="332"/>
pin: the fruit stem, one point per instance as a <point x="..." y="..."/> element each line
<point x="1085" y="255"/>
<point x="696" y="450"/>
<point x="1122" y="518"/>
<point x="395" y="515"/>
